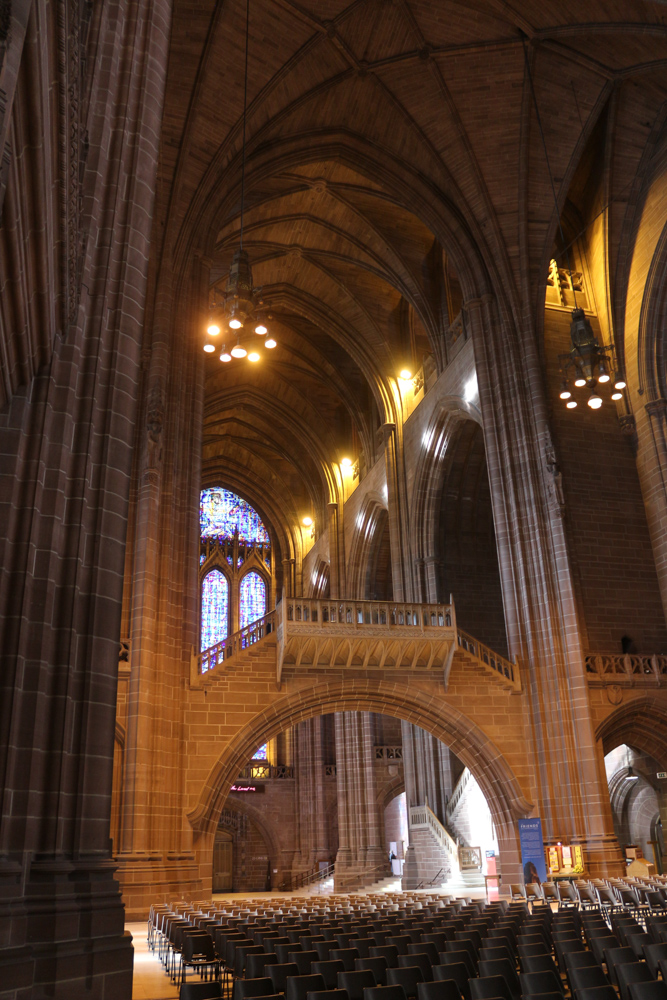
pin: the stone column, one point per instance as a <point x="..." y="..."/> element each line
<point x="336" y="553"/>
<point x="67" y="442"/>
<point x="538" y="592"/>
<point x="311" y="806"/>
<point x="426" y="768"/>
<point x="652" y="468"/>
<point x="360" y="842"/>
<point x="397" y="506"/>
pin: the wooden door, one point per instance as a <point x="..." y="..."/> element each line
<point x="223" y="859"/>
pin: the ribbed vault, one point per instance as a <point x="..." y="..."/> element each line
<point x="389" y="146"/>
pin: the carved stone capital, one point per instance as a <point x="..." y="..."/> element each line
<point x="657" y="409"/>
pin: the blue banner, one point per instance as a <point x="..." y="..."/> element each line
<point x="532" y="851"/>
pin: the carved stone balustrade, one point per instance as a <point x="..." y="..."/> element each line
<point x="626" y="669"/>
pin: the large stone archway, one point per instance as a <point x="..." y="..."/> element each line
<point x="491" y="746"/>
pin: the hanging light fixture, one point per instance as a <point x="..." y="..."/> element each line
<point x="236" y="306"/>
<point x="588" y="361"/>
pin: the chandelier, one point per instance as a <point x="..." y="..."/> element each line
<point x="588" y="365"/>
<point x="236" y="308"/>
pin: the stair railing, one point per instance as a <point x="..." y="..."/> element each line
<point x="233" y="644"/>
<point x="302" y="879"/>
<point x="423" y="817"/>
<point x="364" y="876"/>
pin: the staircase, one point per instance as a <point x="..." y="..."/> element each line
<point x="432" y="857"/>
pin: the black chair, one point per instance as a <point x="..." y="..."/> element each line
<point x="241" y="954"/>
<point x="387" y="951"/>
<point x="530" y="949"/>
<point x="324" y="948"/>
<point x="199" y="953"/>
<point x="329" y="971"/>
<point x="298" y="987"/>
<point x="586" y="978"/>
<point x="246" y="988"/>
<point x="489" y="987"/>
<point x="356" y="982"/>
<point x="456" y="958"/>
<point x="200" y="991"/>
<point x="648" y="991"/>
<point x="617" y="956"/>
<point x="256" y="963"/>
<point x="284" y="950"/>
<point x="400" y="942"/>
<point x="280" y="974"/>
<point x="425" y="948"/>
<point x="601" y="944"/>
<point x="344" y="955"/>
<point x="379" y="993"/>
<point x="632" y="972"/>
<point x="328" y="995"/>
<point x="597" y="993"/>
<point x="637" y="941"/>
<point x="487" y="954"/>
<point x="501" y="967"/>
<point x="363" y="946"/>
<point x="534" y="983"/>
<point x="304" y="960"/>
<point x="407" y="977"/>
<point x="438" y="938"/>
<point x="421" y="960"/>
<point x="654" y="953"/>
<point x="539" y="963"/>
<point x="444" y="989"/>
<point x="461" y="948"/>
<point x="378" y="966"/>
<point x="458" y="973"/>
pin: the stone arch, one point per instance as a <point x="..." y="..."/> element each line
<point x="319" y="582"/>
<point x="390" y="791"/>
<point x="370" y="521"/>
<point x="641" y="723"/>
<point x="400" y="700"/>
<point x="245" y="808"/>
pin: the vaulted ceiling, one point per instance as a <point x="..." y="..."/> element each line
<point x="394" y="164"/>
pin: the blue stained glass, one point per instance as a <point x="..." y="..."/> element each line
<point x="252" y="603"/>
<point x="222" y="513"/>
<point x="214" y="608"/>
<point x="260" y="754"/>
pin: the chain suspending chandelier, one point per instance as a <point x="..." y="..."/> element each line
<point x="588" y="363"/>
<point x="237" y="310"/>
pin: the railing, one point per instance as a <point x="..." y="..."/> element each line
<point x="388" y="754"/>
<point x="424" y="817"/>
<point x="265" y="772"/>
<point x="352" y="612"/>
<point x="302" y="879"/>
<point x="487" y="656"/>
<point x="470" y="858"/>
<point x="631" y="665"/>
<point x="233" y="644"/>
<point x="364" y="877"/>
<point x="457" y="792"/>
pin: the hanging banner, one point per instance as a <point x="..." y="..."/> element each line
<point x="532" y="851"/>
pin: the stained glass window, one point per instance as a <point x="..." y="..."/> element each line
<point x="214" y="608"/>
<point x="252" y="604"/>
<point x="260" y="753"/>
<point x="222" y="513"/>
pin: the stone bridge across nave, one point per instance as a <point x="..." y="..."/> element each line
<point x="410" y="661"/>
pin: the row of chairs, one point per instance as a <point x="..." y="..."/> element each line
<point x="609" y="896"/>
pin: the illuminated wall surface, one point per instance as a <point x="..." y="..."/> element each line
<point x="214" y="608"/>
<point x="222" y="513"/>
<point x="252" y="603"/>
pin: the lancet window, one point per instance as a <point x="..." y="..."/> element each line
<point x="235" y="563"/>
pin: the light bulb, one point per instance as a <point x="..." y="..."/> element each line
<point x="619" y="381"/>
<point x="564" y="391"/>
<point x="261" y="329"/>
<point x="238" y="351"/>
<point x="405" y="374"/>
<point x="603" y="376"/>
<point x="307" y="521"/>
<point x="225" y="356"/>
<point x="617" y="394"/>
<point x="253" y="356"/>
<point x="270" y="344"/>
<point x="571" y="403"/>
<point x="580" y="381"/>
<point x="213" y="330"/>
<point x="209" y="348"/>
<point x="346" y="463"/>
<point x="235" y="324"/>
<point x="594" y="401"/>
